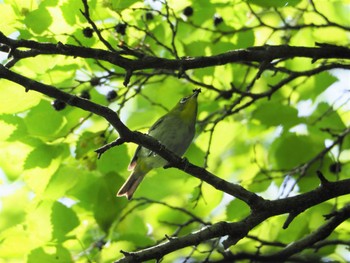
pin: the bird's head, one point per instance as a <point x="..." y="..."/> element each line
<point x="187" y="107"/>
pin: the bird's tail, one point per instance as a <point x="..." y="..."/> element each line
<point x="130" y="185"/>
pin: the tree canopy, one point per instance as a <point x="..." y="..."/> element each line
<point x="266" y="177"/>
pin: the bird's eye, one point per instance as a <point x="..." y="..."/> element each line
<point x="183" y="100"/>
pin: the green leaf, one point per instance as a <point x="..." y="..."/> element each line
<point x="314" y="86"/>
<point x="115" y="159"/>
<point x="297" y="229"/>
<point x="63" y="220"/>
<point x="12" y="128"/>
<point x="7" y="127"/>
<point x="202" y="11"/>
<point x="8" y="21"/>
<point x="237" y="210"/>
<point x="62" y="181"/>
<point x="221" y="47"/>
<point x="245" y="39"/>
<point x="195" y="48"/>
<point x="13" y="209"/>
<point x="42" y="155"/>
<point x="323" y="81"/>
<point x="274" y="114"/>
<point x="38" y="221"/>
<point x="71" y="17"/>
<point x="120" y="5"/>
<point x="291" y="150"/>
<point x="136" y="230"/>
<point x="274" y="3"/>
<point x="45" y="254"/>
<point x="325" y="117"/>
<point x="259" y="183"/>
<point x="38" y="20"/>
<point x="43" y="121"/>
<point x="38" y="169"/>
<point x="86" y="180"/>
<point x="10" y="238"/>
<point x="12" y="158"/>
<point x="88" y="142"/>
<point x="107" y="206"/>
<point x="14" y="99"/>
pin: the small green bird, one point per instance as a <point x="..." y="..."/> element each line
<point x="175" y="130"/>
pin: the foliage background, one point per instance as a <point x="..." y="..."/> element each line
<point x="268" y="126"/>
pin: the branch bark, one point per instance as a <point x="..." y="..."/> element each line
<point x="253" y="54"/>
<point x="238" y="230"/>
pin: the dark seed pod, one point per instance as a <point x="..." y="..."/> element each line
<point x="218" y="20"/>
<point x="111" y="95"/>
<point x="58" y="105"/>
<point x="149" y="16"/>
<point x="188" y="11"/>
<point x="120" y="28"/>
<point x="94" y="82"/>
<point x="85" y="95"/>
<point x="335" y="168"/>
<point x="87" y="31"/>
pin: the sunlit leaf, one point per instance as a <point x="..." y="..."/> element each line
<point x="237" y="210"/>
<point x="274" y="114"/>
<point x="325" y="117"/>
<point x="120" y="5"/>
<point x="63" y="220"/>
<point x="272" y="3"/>
<point x="12" y="128"/>
<point x="62" y="181"/>
<point x="108" y="161"/>
<point x="42" y="155"/>
<point x="32" y="20"/>
<point x="14" y="99"/>
<point x="8" y="21"/>
<point x="106" y="206"/>
<point x="88" y="142"/>
<point x="13" y="209"/>
<point x="44" y="121"/>
<point x="57" y="254"/>
<point x="259" y="183"/>
<point x="292" y="150"/>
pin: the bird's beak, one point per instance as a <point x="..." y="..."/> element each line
<point x="196" y="92"/>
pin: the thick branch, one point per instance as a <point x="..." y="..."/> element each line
<point x="238" y="230"/>
<point x="253" y="54"/>
<point x="320" y="234"/>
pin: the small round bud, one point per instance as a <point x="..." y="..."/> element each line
<point x="85" y="95"/>
<point x="87" y="31"/>
<point x="149" y="16"/>
<point x="58" y="105"/>
<point x="120" y="28"/>
<point x="218" y="20"/>
<point x="335" y="168"/>
<point x="188" y="11"/>
<point x="111" y="95"/>
<point x="94" y="82"/>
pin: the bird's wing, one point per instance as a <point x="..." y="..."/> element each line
<point x="137" y="152"/>
<point x="134" y="159"/>
<point x="155" y="125"/>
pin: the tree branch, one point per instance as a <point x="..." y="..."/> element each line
<point x="321" y="233"/>
<point x="253" y="54"/>
<point x="238" y="230"/>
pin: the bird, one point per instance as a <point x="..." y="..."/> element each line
<point x="175" y="130"/>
